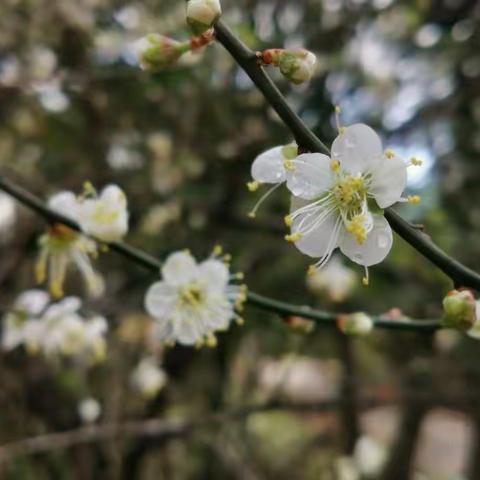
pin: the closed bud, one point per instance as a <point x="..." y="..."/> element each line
<point x="202" y="14"/>
<point x="358" y="323"/>
<point x="156" y="52"/>
<point x="459" y="310"/>
<point x="300" y="324"/>
<point x="297" y="65"/>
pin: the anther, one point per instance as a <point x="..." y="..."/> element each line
<point x="288" y="220"/>
<point x="389" y="154"/>
<point x="335" y="166"/>
<point x="253" y="186"/>
<point x="414" y="199"/>
<point x="288" y="164"/>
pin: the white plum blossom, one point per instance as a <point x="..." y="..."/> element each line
<point x="338" y="201"/>
<point x="70" y="334"/>
<point x="105" y="216"/>
<point x="20" y="325"/>
<point x="202" y="14"/>
<point x="335" y="280"/>
<point x="193" y="300"/>
<point x="89" y="410"/>
<point x="54" y="329"/>
<point x="61" y="247"/>
<point x="148" y="378"/>
<point x="269" y="167"/>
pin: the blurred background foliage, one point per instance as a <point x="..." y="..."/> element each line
<point x="75" y="107"/>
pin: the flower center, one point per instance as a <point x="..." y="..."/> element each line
<point x="350" y="192"/>
<point x="191" y="296"/>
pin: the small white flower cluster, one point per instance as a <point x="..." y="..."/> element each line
<point x="194" y="300"/>
<point x="338" y="201"/>
<point x="104" y="217"/>
<point x="148" y="378"/>
<point x="54" y="329"/>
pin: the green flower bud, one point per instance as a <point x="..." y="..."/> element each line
<point x="459" y="310"/>
<point x="358" y="323"/>
<point x="156" y="52"/>
<point x="202" y="14"/>
<point x="297" y="65"/>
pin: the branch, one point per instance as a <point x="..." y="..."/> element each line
<point x="147" y="261"/>
<point x="158" y="429"/>
<point x="246" y="58"/>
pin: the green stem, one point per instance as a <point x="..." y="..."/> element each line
<point x="461" y="275"/>
<point x="147" y="261"/>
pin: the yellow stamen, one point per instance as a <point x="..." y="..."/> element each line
<point x="389" y="154"/>
<point x="335" y="166"/>
<point x="240" y="321"/>
<point x="342" y="130"/>
<point x="294" y="237"/>
<point x="211" y="341"/>
<point x="365" y="281"/>
<point x="312" y="270"/>
<point x="357" y="228"/>
<point x="338" y="110"/>
<point x="239" y="276"/>
<point x="288" y="220"/>
<point x="414" y="199"/>
<point x="253" y="186"/>
<point x="288" y="164"/>
<point x="217" y="250"/>
<point x="252" y="214"/>
<point x="416" y="162"/>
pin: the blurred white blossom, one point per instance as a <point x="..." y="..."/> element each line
<point x="54" y="329"/>
<point x="148" y="378"/>
<point x="89" y="410"/>
<point x="193" y="300"/>
<point x="336" y="280"/>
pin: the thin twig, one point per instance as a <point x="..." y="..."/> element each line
<point x="147" y="261"/>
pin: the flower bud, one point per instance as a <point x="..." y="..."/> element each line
<point x="202" y="14"/>
<point x="459" y="310"/>
<point x="297" y="65"/>
<point x="156" y="52"/>
<point x="358" y="323"/>
<point x="300" y="324"/>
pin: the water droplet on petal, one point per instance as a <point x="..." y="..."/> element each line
<point x="358" y="257"/>
<point x="382" y="240"/>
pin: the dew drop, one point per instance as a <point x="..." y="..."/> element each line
<point x="382" y="240"/>
<point x="358" y="257"/>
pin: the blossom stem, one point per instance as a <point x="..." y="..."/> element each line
<point x="145" y="260"/>
<point x="461" y="275"/>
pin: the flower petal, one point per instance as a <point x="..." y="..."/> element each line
<point x="179" y="268"/>
<point x="268" y="166"/>
<point x="160" y="300"/>
<point x="317" y="242"/>
<point x="358" y="149"/>
<point x="33" y="302"/>
<point x="213" y="274"/>
<point x="311" y="175"/>
<point x="188" y="330"/>
<point x="388" y="181"/>
<point x="376" y="246"/>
